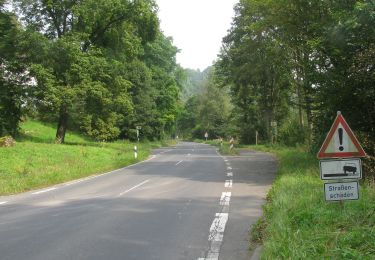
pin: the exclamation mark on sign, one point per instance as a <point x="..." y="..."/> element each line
<point x="341" y="148"/>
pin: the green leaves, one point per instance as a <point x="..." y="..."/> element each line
<point x="94" y="64"/>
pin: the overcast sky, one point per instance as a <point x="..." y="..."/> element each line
<point x="197" y="28"/>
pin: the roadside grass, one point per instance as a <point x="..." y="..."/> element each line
<point x="299" y="224"/>
<point x="36" y="162"/>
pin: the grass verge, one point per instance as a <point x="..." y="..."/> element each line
<point x="36" y="162"/>
<point x="299" y="224"/>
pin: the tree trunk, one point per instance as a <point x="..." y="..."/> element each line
<point x="300" y="108"/>
<point x="62" y="125"/>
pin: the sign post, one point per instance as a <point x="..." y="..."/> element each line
<point x="340" y="160"/>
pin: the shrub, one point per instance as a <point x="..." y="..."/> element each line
<point x="7" y="141"/>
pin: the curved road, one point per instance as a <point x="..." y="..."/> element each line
<point x="185" y="202"/>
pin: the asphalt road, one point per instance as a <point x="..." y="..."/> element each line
<point x="185" y="202"/>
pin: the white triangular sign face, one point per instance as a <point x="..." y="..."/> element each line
<point x="341" y="142"/>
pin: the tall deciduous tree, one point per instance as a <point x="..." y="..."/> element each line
<point x="12" y="73"/>
<point x="82" y="40"/>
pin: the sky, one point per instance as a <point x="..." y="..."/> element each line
<point x="197" y="28"/>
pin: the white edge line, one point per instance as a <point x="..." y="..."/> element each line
<point x="132" y="188"/>
<point x="3" y="202"/>
<point x="165" y="151"/>
<point x="102" y="174"/>
<point x="43" y="191"/>
<point x="94" y="176"/>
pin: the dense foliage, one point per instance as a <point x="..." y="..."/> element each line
<point x="207" y="108"/>
<point x="291" y="65"/>
<point x="103" y="67"/>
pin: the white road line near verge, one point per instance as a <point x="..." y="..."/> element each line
<point x="136" y="186"/>
<point x="43" y="191"/>
<point x="3" y="202"/>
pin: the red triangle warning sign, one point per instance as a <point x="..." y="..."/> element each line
<point x="340" y="142"/>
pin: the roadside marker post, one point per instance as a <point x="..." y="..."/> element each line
<point x="340" y="160"/>
<point x="137" y="129"/>
<point x="135" y="152"/>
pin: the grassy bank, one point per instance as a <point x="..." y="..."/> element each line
<point x="299" y="224"/>
<point x="36" y="162"/>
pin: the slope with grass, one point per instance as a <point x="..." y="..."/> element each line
<point x="36" y="162"/>
<point x="299" y="224"/>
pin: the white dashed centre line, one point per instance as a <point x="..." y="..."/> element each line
<point x="229" y="168"/>
<point x="230" y="174"/>
<point x="179" y="162"/>
<point x="43" y="191"/>
<point x="216" y="236"/>
<point x="136" y="186"/>
<point x="228" y="184"/>
<point x="225" y="198"/>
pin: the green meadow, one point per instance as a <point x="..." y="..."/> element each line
<point x="36" y="162"/>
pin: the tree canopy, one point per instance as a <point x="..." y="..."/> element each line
<point x="103" y="67"/>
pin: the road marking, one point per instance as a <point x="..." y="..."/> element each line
<point x="229" y="168"/>
<point x="107" y="173"/>
<point x="179" y="162"/>
<point x="218" y="227"/>
<point x="216" y="236"/>
<point x="189" y="154"/>
<point x="3" y="202"/>
<point x="225" y="198"/>
<point x="165" y="151"/>
<point x="230" y="174"/>
<point x="43" y="191"/>
<point x="225" y="160"/>
<point x="228" y="184"/>
<point x="136" y="186"/>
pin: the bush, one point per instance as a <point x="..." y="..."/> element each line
<point x="7" y="141"/>
<point x="291" y="133"/>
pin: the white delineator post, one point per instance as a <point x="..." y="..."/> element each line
<point x="135" y="152"/>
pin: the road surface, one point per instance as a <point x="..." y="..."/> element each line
<point x="185" y="202"/>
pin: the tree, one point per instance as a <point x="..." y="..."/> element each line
<point x="207" y="111"/>
<point x="12" y="74"/>
<point x="254" y="64"/>
<point x="82" y="40"/>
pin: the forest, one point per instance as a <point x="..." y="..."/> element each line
<point x="285" y="69"/>
<point x="100" y="67"/>
<point x="105" y="68"/>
